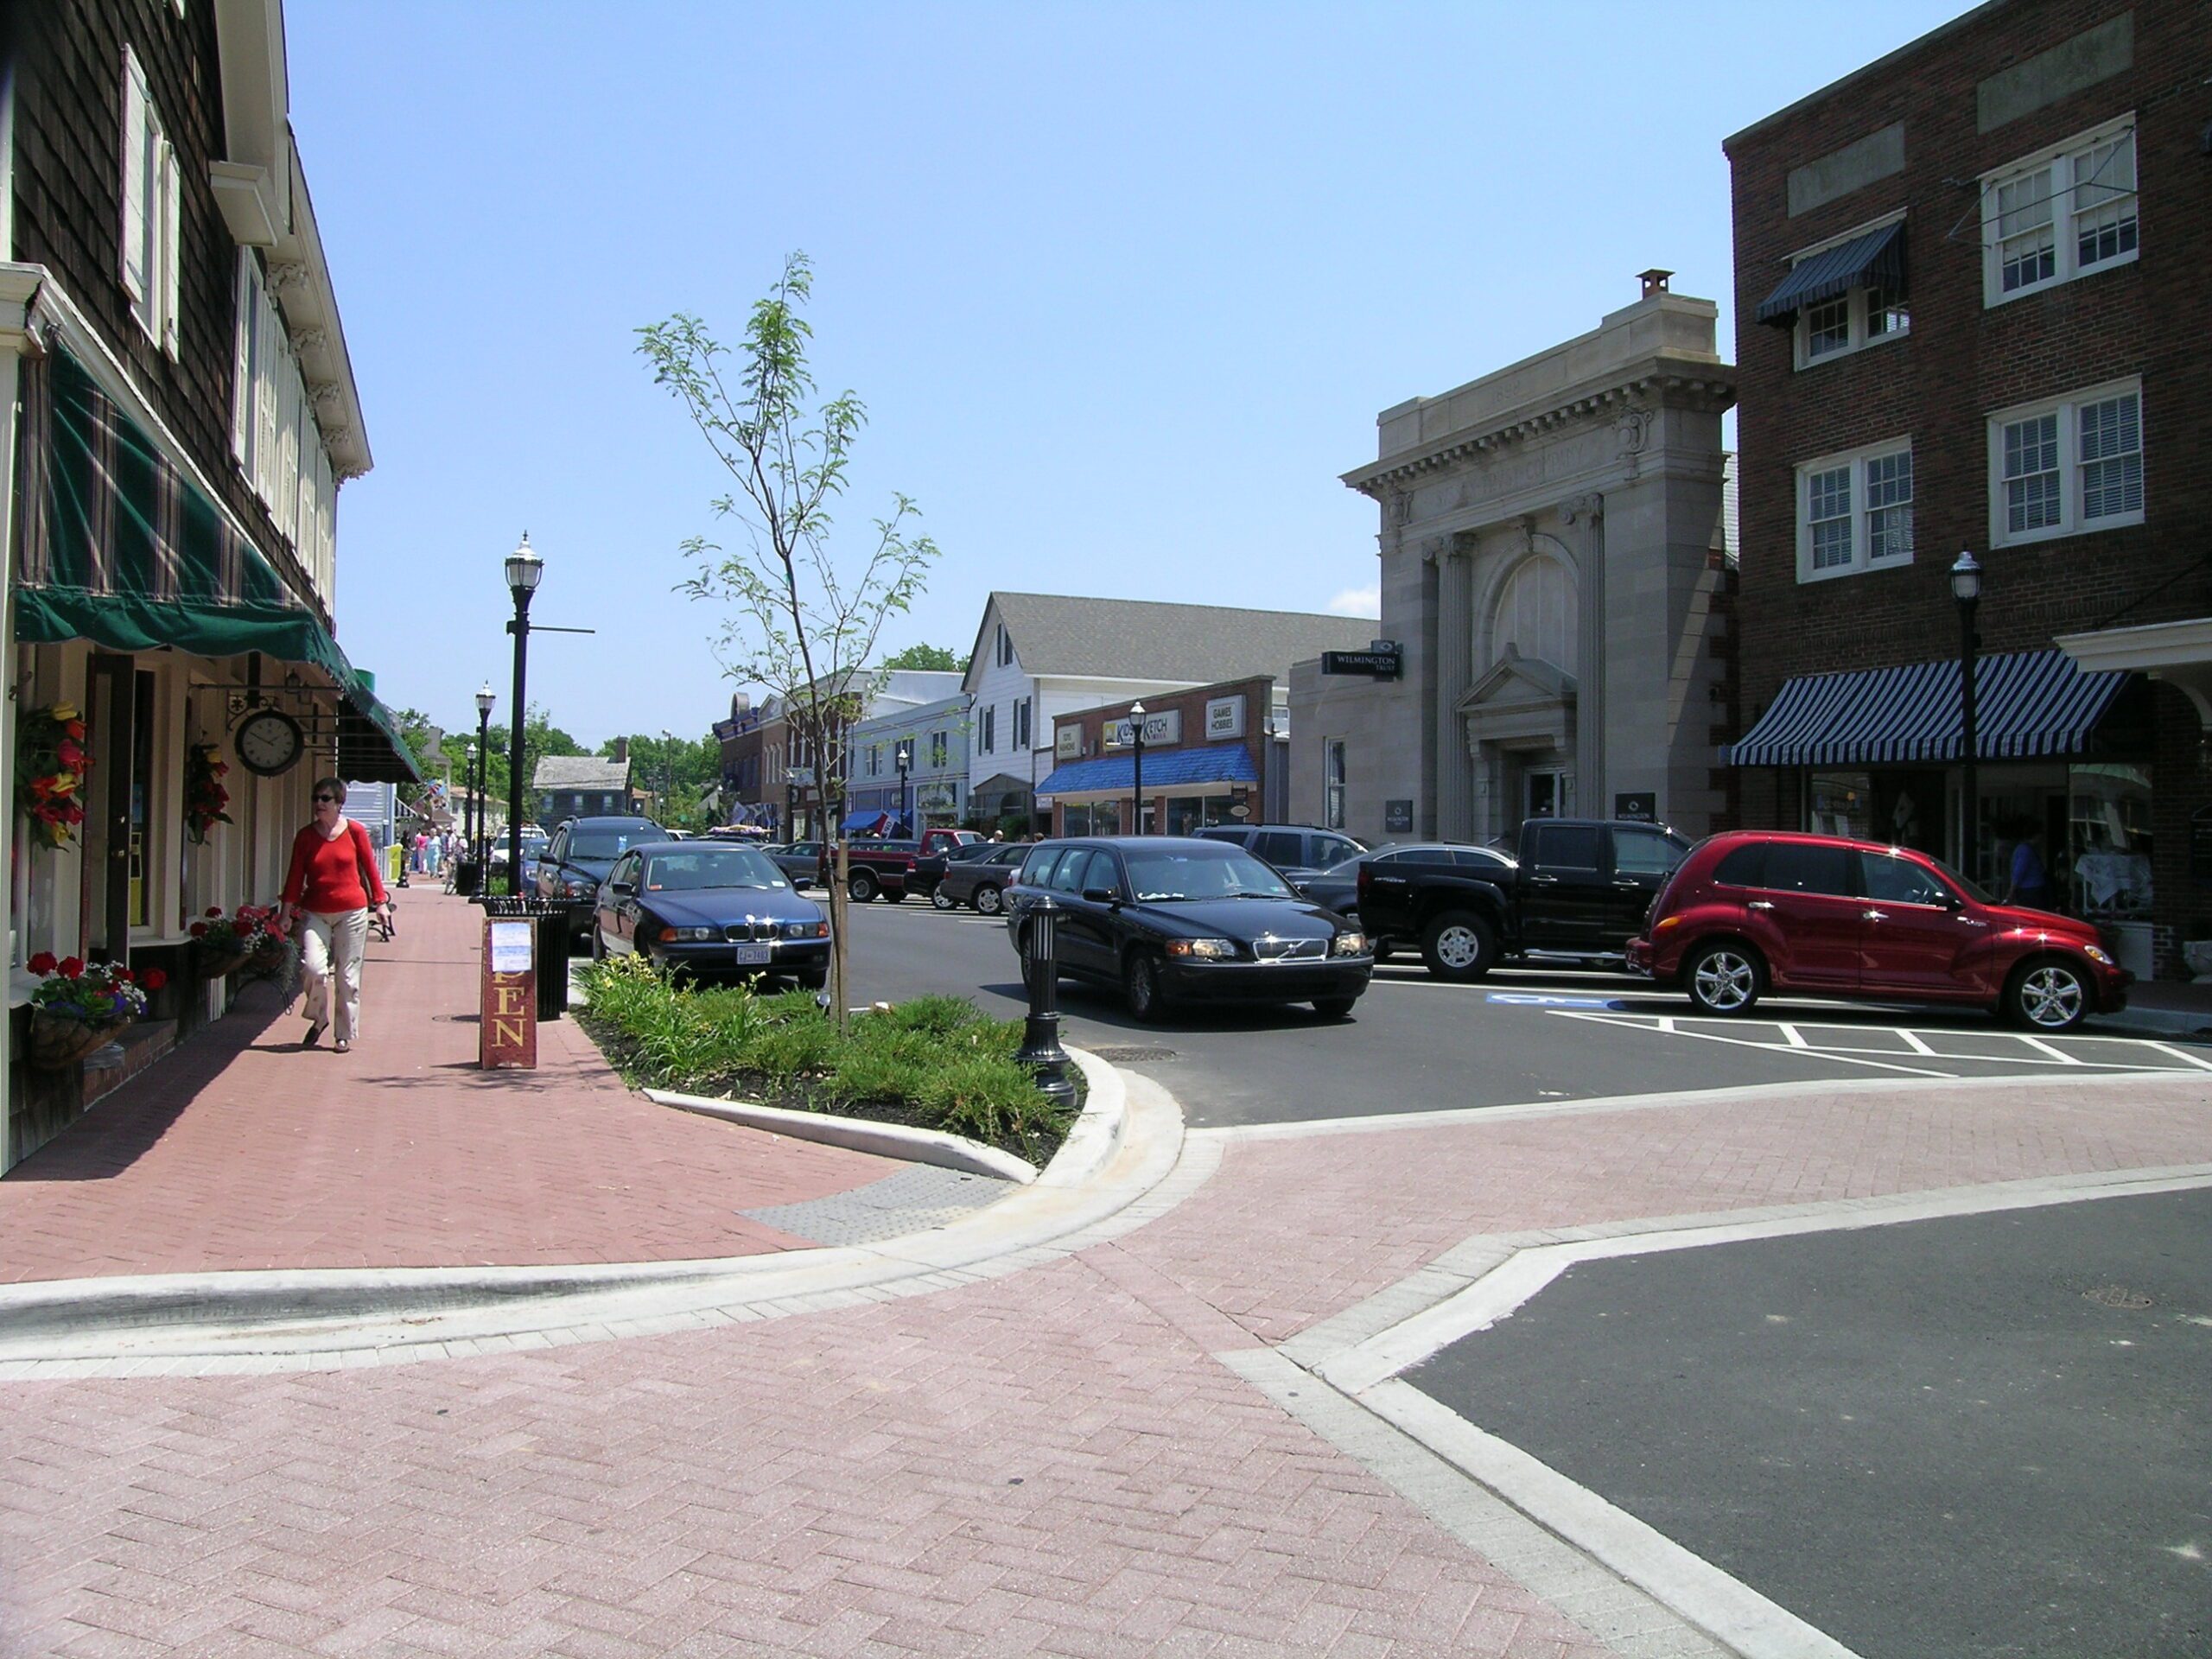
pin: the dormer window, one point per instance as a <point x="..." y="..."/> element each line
<point x="1843" y="295"/>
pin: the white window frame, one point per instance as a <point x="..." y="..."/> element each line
<point x="274" y="434"/>
<point x="1024" y="727"/>
<point x="988" y="728"/>
<point x="2066" y="208"/>
<point x="1857" y="339"/>
<point x="2070" y="464"/>
<point x="153" y="212"/>
<point x="1859" y="461"/>
<point x="1334" y="776"/>
<point x="1006" y="647"/>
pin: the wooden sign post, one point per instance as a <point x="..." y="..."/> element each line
<point x="507" y="1031"/>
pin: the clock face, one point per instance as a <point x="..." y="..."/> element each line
<point x="268" y="741"/>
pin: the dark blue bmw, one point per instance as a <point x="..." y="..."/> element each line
<point x="711" y="908"/>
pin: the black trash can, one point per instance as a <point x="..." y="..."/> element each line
<point x="556" y="924"/>
<point x="467" y="877"/>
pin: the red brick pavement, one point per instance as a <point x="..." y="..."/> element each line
<point x="1050" y="1462"/>
<point x="241" y="1150"/>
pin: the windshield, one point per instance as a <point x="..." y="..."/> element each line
<point x="1214" y="871"/>
<point x="1971" y="889"/>
<point x="715" y="867"/>
<point x="610" y="843"/>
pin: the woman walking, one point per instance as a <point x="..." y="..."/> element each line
<point x="328" y="892"/>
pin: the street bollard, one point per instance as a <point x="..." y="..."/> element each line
<point x="1040" y="1049"/>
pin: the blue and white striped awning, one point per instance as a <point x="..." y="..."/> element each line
<point x="2027" y="705"/>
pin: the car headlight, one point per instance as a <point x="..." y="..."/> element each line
<point x="806" y="930"/>
<point x="1202" y="950"/>
<point x="1349" y="945"/>
<point x="686" y="935"/>
<point x="576" y="889"/>
<point x="2095" y="953"/>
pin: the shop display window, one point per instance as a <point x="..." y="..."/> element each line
<point x="1187" y="814"/>
<point x="2109" y="823"/>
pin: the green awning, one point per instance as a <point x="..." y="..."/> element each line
<point x="120" y="547"/>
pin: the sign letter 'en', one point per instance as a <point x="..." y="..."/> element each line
<point x="507" y="1031"/>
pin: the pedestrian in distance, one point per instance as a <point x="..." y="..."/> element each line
<point x="328" y="892"/>
<point x="2029" y="882"/>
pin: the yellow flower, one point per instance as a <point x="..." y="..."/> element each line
<point x="64" y="711"/>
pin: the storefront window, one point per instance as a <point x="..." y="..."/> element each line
<point x="1106" y="818"/>
<point x="2109" y="823"/>
<point x="1189" y="813"/>
<point x="1841" y="804"/>
<point x="1075" y="821"/>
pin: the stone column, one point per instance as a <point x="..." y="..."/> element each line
<point x="1455" y="650"/>
<point x="1582" y="520"/>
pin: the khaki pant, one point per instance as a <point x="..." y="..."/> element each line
<point x="331" y="946"/>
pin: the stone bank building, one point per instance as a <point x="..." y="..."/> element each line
<point x="1555" y="572"/>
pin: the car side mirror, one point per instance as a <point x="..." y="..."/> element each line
<point x="1102" y="895"/>
<point x="622" y="887"/>
<point x="1952" y="902"/>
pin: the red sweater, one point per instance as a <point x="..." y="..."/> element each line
<point x="326" y="875"/>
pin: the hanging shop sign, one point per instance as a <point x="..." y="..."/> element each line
<point x="1382" y="660"/>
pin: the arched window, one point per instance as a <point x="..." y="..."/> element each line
<point x="1536" y="613"/>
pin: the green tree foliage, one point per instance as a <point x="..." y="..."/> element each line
<point x="797" y="617"/>
<point x="678" y="771"/>
<point x="941" y="658"/>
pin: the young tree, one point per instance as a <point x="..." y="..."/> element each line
<point x="798" y="619"/>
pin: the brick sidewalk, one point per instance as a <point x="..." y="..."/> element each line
<point x="241" y="1150"/>
<point x="1059" y="1461"/>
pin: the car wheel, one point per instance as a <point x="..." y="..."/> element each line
<point x="1333" y="1008"/>
<point x="862" y="887"/>
<point x="986" y="900"/>
<point x="812" y="979"/>
<point x="2046" y="995"/>
<point x="1724" y="978"/>
<point x="598" y="946"/>
<point x="1028" y="966"/>
<point x="1458" y="945"/>
<point x="1140" y="991"/>
<point x="940" y="899"/>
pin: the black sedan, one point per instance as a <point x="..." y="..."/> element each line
<point x="710" y="909"/>
<point x="800" y="860"/>
<point x="979" y="882"/>
<point x="1169" y="919"/>
<point x="926" y="879"/>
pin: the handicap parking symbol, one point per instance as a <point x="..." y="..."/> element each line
<point x="1538" y="1000"/>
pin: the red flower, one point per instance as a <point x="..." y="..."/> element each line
<point x="153" y="979"/>
<point x="72" y="967"/>
<point x="75" y="728"/>
<point x="213" y="912"/>
<point x="43" y="963"/>
<point x="72" y="756"/>
<point x="199" y="930"/>
<point x="125" y="974"/>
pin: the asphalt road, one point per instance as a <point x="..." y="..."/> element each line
<point x="1415" y="1044"/>
<point x="1973" y="1437"/>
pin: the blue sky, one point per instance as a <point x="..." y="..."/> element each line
<point x="1123" y="287"/>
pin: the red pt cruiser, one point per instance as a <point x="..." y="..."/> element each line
<point x="1750" y="912"/>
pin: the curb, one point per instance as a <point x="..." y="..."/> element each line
<point x="318" y="1318"/>
<point x="898" y="1141"/>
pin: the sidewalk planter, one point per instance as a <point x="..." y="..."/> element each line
<point x="221" y="964"/>
<point x="57" y="1041"/>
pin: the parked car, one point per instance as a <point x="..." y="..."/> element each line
<point x="1299" y="852"/>
<point x="1174" y="918"/>
<point x="1577" y="890"/>
<point x="800" y="860"/>
<point x="981" y="882"/>
<point x="710" y="907"/>
<point x="926" y="879"/>
<point x="1338" y="886"/>
<point x="579" y="854"/>
<point x="1750" y="911"/>
<point x="877" y="866"/>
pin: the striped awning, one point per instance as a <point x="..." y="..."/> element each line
<point x="2028" y="705"/>
<point x="1216" y="762"/>
<point x="1874" y="260"/>
<point x="120" y="547"/>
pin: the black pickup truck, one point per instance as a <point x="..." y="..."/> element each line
<point x="1577" y="890"/>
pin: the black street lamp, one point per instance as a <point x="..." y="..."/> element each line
<point x="479" y="843"/>
<point x="524" y="570"/>
<point x="1966" y="588"/>
<point x="904" y="754"/>
<point x="1136" y="775"/>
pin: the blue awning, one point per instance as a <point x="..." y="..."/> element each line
<point x="2028" y="705"/>
<point x="1874" y="260"/>
<point x="1105" y="774"/>
<point x="869" y="821"/>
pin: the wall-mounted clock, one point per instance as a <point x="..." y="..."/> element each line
<point x="269" y="742"/>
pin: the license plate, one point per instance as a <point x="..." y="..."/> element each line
<point x="753" y="955"/>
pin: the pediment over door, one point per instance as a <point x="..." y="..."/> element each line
<point x="1521" y="702"/>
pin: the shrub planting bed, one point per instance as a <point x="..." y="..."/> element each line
<point x="934" y="1063"/>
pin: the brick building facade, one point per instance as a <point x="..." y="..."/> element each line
<point x="1965" y="276"/>
<point x="1212" y="754"/>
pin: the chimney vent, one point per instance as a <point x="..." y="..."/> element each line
<point x="1654" y="281"/>
<point x="621" y="749"/>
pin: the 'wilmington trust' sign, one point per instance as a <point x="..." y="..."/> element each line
<point x="1162" y="729"/>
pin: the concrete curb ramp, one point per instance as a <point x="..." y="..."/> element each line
<point x="1126" y="1142"/>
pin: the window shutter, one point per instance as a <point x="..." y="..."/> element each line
<point x="134" y="101"/>
<point x="172" y="253"/>
<point x="265" y="393"/>
<point x="241" y="365"/>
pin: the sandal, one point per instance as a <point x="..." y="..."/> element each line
<point x="314" y="1033"/>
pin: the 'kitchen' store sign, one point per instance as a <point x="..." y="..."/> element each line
<point x="1160" y="730"/>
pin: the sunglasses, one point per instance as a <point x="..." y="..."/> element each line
<point x="320" y="799"/>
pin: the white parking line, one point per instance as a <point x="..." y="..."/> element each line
<point x="1634" y="1023"/>
<point x="2060" y="1055"/>
<point x="1913" y="1042"/>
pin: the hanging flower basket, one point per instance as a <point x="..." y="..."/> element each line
<point x="79" y="1006"/>
<point x="227" y="943"/>
<point x="57" y="1041"/>
<point x="50" y="766"/>
<point x="221" y="964"/>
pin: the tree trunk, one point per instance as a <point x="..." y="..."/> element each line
<point x="841" y="908"/>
